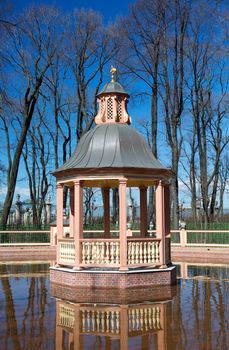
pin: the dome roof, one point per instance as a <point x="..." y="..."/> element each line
<point x="112" y="87"/>
<point x="113" y="146"/>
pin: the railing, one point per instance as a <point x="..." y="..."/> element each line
<point x="106" y="252"/>
<point x="200" y="238"/>
<point x="106" y="320"/>
<point x="143" y="251"/>
<point x="67" y="251"/>
<point x="100" y="320"/>
<point x="19" y="238"/>
<point x="144" y="318"/>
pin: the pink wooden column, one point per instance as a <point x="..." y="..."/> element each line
<point x="143" y="211"/>
<point x="78" y="221"/>
<point x="76" y="329"/>
<point x="124" y="327"/>
<point x="167" y="224"/>
<point x="160" y="220"/>
<point x="161" y="336"/>
<point x="71" y="214"/>
<point x="59" y="217"/>
<point x="107" y="212"/>
<point x="167" y="209"/>
<point x="122" y="225"/>
<point x="59" y="329"/>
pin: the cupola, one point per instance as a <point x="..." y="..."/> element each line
<point x="112" y="100"/>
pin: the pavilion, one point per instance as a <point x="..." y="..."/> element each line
<point x="110" y="155"/>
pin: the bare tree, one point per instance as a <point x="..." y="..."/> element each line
<point x="142" y="34"/>
<point x="28" y="45"/>
<point x="172" y="93"/>
<point x="36" y="155"/>
<point x="209" y="112"/>
<point x="92" y="47"/>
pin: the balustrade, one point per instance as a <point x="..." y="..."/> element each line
<point x="100" y="253"/>
<point x="144" y="318"/>
<point x="106" y="320"/>
<point x="66" y="316"/>
<point x="143" y="252"/>
<point x="67" y="251"/>
<point x="94" y="320"/>
<point x="107" y="252"/>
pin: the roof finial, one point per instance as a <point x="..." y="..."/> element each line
<point x="113" y="71"/>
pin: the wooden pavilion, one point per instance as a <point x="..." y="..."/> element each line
<point x="112" y="155"/>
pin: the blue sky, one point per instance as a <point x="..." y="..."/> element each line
<point x="138" y="111"/>
<point x="109" y="9"/>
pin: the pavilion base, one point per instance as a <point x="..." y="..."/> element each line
<point x="106" y="278"/>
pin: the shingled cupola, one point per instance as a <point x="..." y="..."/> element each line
<point x="113" y="155"/>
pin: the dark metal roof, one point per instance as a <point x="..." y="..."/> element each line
<point x="112" y="145"/>
<point x="112" y="87"/>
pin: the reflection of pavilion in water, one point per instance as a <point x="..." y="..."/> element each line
<point x="83" y="322"/>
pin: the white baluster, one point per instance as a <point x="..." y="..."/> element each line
<point x="140" y="252"/>
<point x="150" y="252"/>
<point x="137" y="319"/>
<point x="133" y="319"/>
<point x="112" y="253"/>
<point x="102" y="260"/>
<point x="129" y="319"/>
<point x="145" y="252"/>
<point x="88" y="322"/>
<point x="83" y="253"/>
<point x="150" y="318"/>
<point x="137" y="253"/>
<point x="157" y="252"/>
<point x="158" y="317"/>
<point x="83" y="321"/>
<point x="93" y="321"/>
<point x="107" y="252"/>
<point x="97" y="253"/>
<point x="88" y="257"/>
<point x="112" y="321"/>
<point x="117" y="322"/>
<point x="102" y="322"/>
<point x="133" y="252"/>
<point x="108" y="321"/>
<point x="146" y="319"/>
<point x="154" y="317"/>
<point x="97" y="321"/>
<point x="117" y="253"/>
<point x="141" y="319"/>
<point x="93" y="252"/>
<point x="129" y="253"/>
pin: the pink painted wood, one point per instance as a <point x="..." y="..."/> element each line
<point x="71" y="216"/>
<point x="122" y="224"/>
<point x="59" y="216"/>
<point x="107" y="212"/>
<point x="160" y="219"/>
<point x="143" y="211"/>
<point x="78" y="220"/>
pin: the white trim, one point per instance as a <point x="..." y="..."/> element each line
<point x="101" y="271"/>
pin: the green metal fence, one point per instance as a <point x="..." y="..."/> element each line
<point x="24" y="237"/>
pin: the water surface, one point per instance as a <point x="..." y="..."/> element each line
<point x="192" y="315"/>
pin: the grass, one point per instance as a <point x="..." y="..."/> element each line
<point x="30" y="237"/>
<point x="192" y="237"/>
<point x="207" y="226"/>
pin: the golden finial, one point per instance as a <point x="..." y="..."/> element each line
<point x="113" y="71"/>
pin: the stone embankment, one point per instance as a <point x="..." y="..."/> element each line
<point x="202" y="254"/>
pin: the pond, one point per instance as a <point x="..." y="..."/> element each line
<point x="194" y="314"/>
